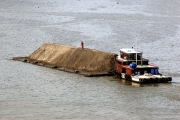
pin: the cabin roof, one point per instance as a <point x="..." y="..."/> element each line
<point x="129" y="50"/>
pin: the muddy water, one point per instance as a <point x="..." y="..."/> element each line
<point x="32" y="92"/>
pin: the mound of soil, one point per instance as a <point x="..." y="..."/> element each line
<point x="72" y="58"/>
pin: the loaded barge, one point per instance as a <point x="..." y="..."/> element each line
<point x="130" y="65"/>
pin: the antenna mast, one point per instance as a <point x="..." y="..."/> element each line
<point x="136" y="50"/>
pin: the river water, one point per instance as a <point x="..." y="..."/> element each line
<point x="33" y="92"/>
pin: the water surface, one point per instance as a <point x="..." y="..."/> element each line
<point x="34" y="92"/>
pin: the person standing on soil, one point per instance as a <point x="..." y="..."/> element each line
<point x="82" y="44"/>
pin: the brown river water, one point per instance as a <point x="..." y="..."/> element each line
<point x="32" y="92"/>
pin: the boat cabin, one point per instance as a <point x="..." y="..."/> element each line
<point x="131" y="62"/>
<point x="127" y="56"/>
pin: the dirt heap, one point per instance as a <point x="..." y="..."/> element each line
<point x="73" y="58"/>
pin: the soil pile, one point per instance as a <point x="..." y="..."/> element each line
<point x="75" y="58"/>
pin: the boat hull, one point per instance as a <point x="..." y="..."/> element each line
<point x="146" y="78"/>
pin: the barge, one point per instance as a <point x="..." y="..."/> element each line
<point x="130" y="65"/>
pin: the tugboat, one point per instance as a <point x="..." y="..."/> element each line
<point x="130" y="65"/>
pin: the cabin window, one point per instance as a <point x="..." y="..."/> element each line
<point x="152" y="71"/>
<point x="156" y="72"/>
<point x="122" y="55"/>
<point x="138" y="57"/>
<point x="130" y="56"/>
